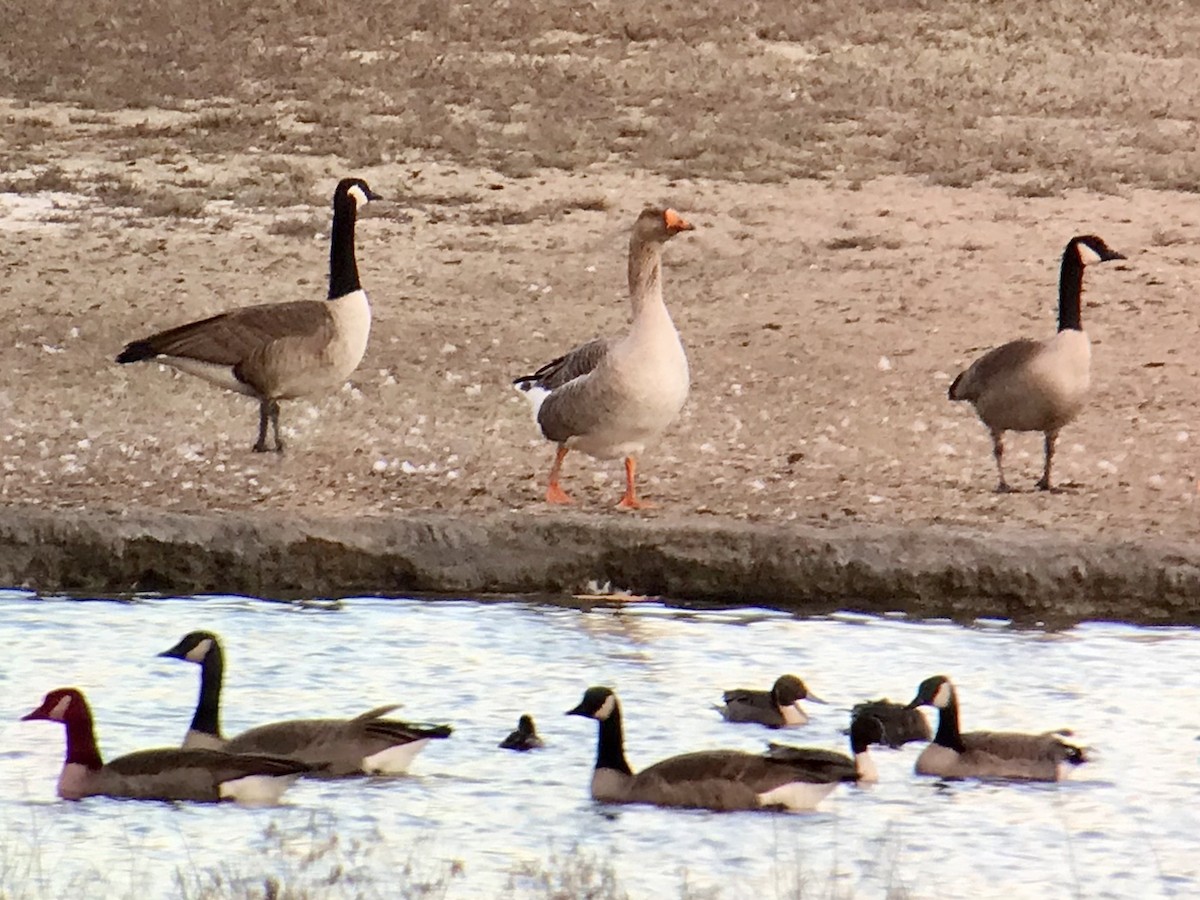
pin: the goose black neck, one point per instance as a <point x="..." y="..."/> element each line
<point x="610" y="745"/>
<point x="207" y="719"/>
<point x="343" y="267"/>
<point x="947" y="732"/>
<point x="1070" y="290"/>
<point x="81" y="740"/>
<point x="645" y="272"/>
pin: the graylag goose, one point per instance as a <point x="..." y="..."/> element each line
<point x="166" y="774"/>
<point x="368" y="744"/>
<point x="783" y="778"/>
<point x="524" y="738"/>
<point x="777" y="708"/>
<point x="280" y="351"/>
<point x="611" y="397"/>
<point x="1028" y="385"/>
<point x="988" y="754"/>
<point x="899" y="724"/>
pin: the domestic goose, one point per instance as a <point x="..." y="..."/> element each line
<point x="368" y="744"/>
<point x="611" y="397"/>
<point x="788" y="778"/>
<point x="280" y="351"/>
<point x="524" y="738"/>
<point x="1029" y="385"/>
<point x="898" y="723"/>
<point x="988" y="754"/>
<point x="776" y="708"/>
<point x="164" y="774"/>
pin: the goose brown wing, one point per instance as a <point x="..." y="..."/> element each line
<point x="566" y="368"/>
<point x="993" y="365"/>
<point x="900" y="724"/>
<point x="1012" y="745"/>
<point x="221" y="765"/>
<point x="229" y="338"/>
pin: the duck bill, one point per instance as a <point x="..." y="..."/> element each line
<point x="813" y="698"/>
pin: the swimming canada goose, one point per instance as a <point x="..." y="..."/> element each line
<point x="368" y="744"/>
<point x="776" y="708"/>
<point x="988" y="754"/>
<point x="611" y="397"/>
<point x="899" y="724"/>
<point x="524" y="738"/>
<point x="166" y="774"/>
<point x="790" y="778"/>
<point x="280" y="351"/>
<point x="1028" y="385"/>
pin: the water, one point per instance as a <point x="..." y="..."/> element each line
<point x="481" y="820"/>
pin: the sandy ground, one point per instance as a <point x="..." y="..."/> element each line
<point x="823" y="323"/>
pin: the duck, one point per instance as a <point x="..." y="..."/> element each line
<point x="611" y="397"/>
<point x="524" y="738"/>
<point x="777" y="708"/>
<point x="898" y="723"/>
<point x="988" y="754"/>
<point x="1030" y="385"/>
<point x="367" y="744"/>
<point x="782" y="778"/>
<point x="206" y="776"/>
<point x="279" y="351"/>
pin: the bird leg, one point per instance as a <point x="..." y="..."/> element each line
<point x="1044" y="484"/>
<point x="275" y="425"/>
<point x="998" y="452"/>
<point x="629" y="499"/>
<point x="264" y="412"/>
<point x="554" y="492"/>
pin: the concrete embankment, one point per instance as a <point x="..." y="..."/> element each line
<point x="1027" y="576"/>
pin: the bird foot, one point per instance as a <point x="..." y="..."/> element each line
<point x="1003" y="488"/>
<point x="556" y="495"/>
<point x="631" y="502"/>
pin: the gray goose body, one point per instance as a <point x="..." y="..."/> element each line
<point x="988" y="754"/>
<point x="789" y="778"/>
<point x="205" y="776"/>
<point x="279" y="351"/>
<point x="364" y="745"/>
<point x="777" y="708"/>
<point x="1028" y="385"/>
<point x="610" y="397"/>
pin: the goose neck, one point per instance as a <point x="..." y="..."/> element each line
<point x="1070" y="290"/>
<point x="343" y="267"/>
<point x="81" y="740"/>
<point x="207" y="719"/>
<point x="948" y="734"/>
<point x="645" y="276"/>
<point x="610" y="745"/>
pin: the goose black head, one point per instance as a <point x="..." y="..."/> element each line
<point x="194" y="647"/>
<point x="59" y="706"/>
<point x="936" y="691"/>
<point x="1104" y="253"/>
<point x="598" y="703"/>
<point x="355" y="189"/>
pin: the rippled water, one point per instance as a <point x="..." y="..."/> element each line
<point x="478" y="817"/>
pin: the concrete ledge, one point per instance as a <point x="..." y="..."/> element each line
<point x="1027" y="576"/>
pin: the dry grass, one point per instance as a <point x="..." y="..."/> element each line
<point x="955" y="91"/>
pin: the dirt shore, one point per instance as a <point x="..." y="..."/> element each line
<point x="825" y="305"/>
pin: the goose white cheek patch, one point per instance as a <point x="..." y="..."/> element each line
<point x="197" y="653"/>
<point x="60" y="708"/>
<point x="359" y="195"/>
<point x="942" y="698"/>
<point x="606" y="708"/>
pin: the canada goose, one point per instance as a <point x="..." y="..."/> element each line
<point x="988" y="754"/>
<point x="611" y="397"/>
<point x="776" y="708"/>
<point x="368" y="744"/>
<point x="782" y="778"/>
<point x="524" y="738"/>
<point x="166" y="774"/>
<point x="280" y="351"/>
<point x="1028" y="385"/>
<point x="899" y="724"/>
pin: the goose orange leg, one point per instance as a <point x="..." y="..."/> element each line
<point x="554" y="492"/>
<point x="629" y="499"/>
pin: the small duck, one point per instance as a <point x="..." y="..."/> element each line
<point x="898" y="723"/>
<point x="524" y="738"/>
<point x="777" y="708"/>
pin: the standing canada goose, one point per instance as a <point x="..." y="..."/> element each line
<point x="988" y="754"/>
<point x="524" y="738"/>
<point x="1028" y="385"/>
<point x="789" y="778"/>
<point x="776" y="708"/>
<point x="166" y="774"/>
<point x="611" y="397"/>
<point x="368" y="744"/>
<point x="899" y="724"/>
<point x="280" y="351"/>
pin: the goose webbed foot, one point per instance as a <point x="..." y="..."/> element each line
<point x="1004" y="487"/>
<point x="268" y="412"/>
